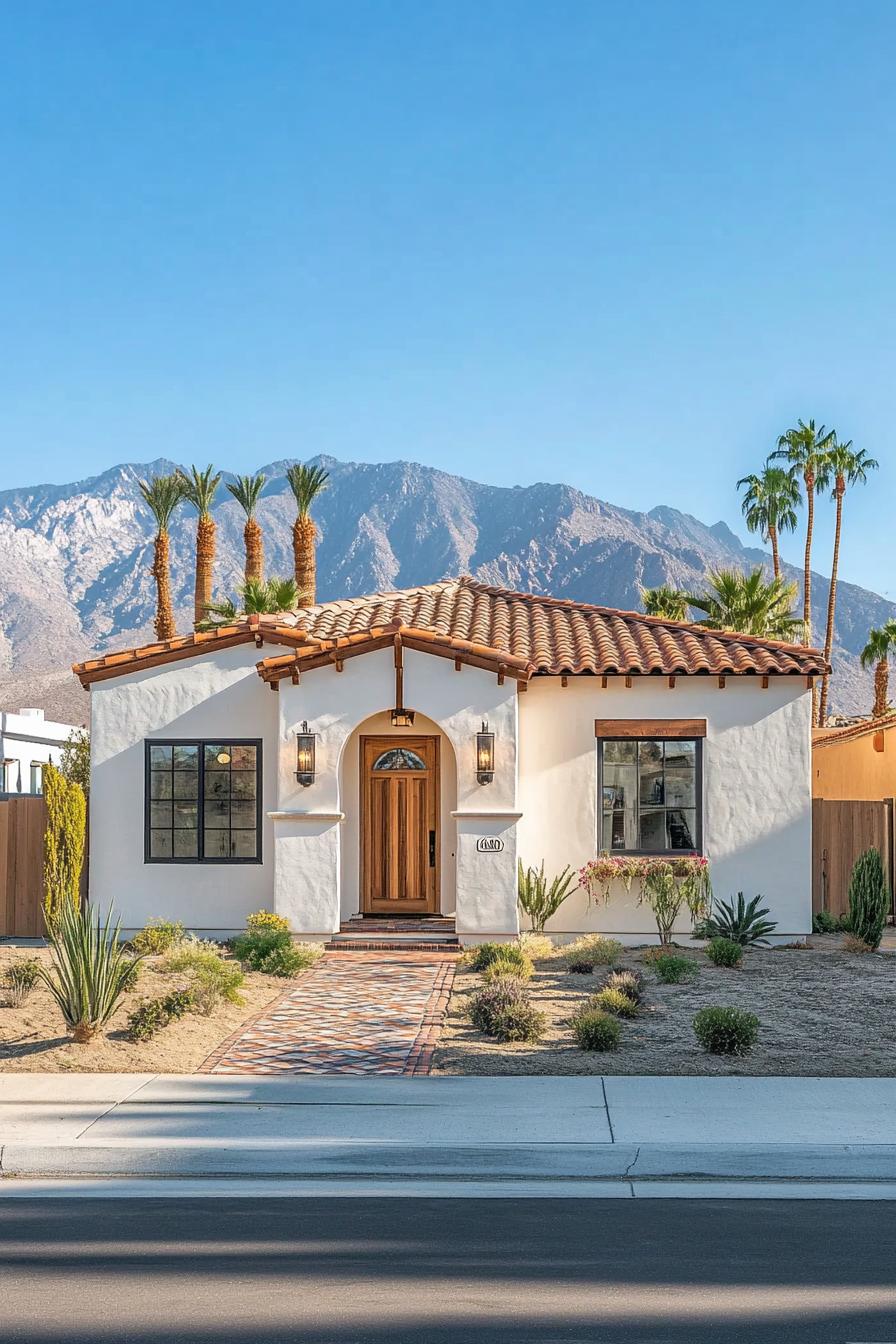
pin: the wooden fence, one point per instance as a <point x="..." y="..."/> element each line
<point x="22" y="825"/>
<point x="841" y="830"/>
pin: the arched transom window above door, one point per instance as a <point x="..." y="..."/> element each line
<point x="399" y="758"/>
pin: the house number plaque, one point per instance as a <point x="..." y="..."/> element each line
<point x="489" y="844"/>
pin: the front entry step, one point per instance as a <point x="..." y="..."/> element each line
<point x="374" y="933"/>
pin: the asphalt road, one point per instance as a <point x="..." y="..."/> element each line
<point x="343" y="1271"/>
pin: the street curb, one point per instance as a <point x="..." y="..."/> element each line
<point x="841" y="1162"/>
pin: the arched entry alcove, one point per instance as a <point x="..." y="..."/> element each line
<point x="367" y="762"/>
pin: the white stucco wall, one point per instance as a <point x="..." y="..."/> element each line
<point x="217" y="695"/>
<point x="317" y="822"/>
<point x="757" y="814"/>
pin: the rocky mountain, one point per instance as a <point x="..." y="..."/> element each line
<point x="75" y="559"/>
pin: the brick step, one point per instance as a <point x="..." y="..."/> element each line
<point x="369" y="924"/>
<point x="442" y="946"/>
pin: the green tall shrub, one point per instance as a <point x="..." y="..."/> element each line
<point x="869" y="898"/>
<point x="64" y="841"/>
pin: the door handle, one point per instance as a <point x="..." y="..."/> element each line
<point x="432" y="849"/>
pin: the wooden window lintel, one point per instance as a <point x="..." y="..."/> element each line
<point x="681" y="728"/>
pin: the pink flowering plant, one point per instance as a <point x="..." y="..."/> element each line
<point x="665" y="884"/>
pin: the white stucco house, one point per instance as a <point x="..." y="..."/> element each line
<point x="394" y="755"/>
<point x="28" y="742"/>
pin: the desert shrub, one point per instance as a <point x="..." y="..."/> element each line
<point x="630" y="982"/>
<point x="520" y="1021"/>
<point x="211" y="977"/>
<point x="213" y="982"/>
<point x="538" y="946"/>
<point x="159" y="936"/>
<point x="723" y="952"/>
<point x="726" y="1031"/>
<point x="595" y="1030"/>
<point x="284" y="957"/>
<point x="502" y="993"/>
<point x="90" y="968"/>
<point x="152" y="1015"/>
<point x="540" y="899"/>
<point x="742" y="923"/>
<point x="853" y="944"/>
<point x="509" y="956"/>
<point x="266" y="919"/>
<point x="869" y="898"/>
<point x="614" y="1001"/>
<point x="580" y="967"/>
<point x="507" y="968"/>
<point x="191" y="954"/>
<point x="482" y="955"/>
<point x="593" y="950"/>
<point x="19" y="980"/>
<point x="825" y="922"/>
<point x="672" y="969"/>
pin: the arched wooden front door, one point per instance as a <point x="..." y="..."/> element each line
<point x="399" y="825"/>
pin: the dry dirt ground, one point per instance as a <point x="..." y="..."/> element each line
<point x="821" y="1014"/>
<point x="33" y="1037"/>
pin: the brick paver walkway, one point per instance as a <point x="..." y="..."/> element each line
<point x="354" y="1013"/>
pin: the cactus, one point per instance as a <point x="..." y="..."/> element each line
<point x="869" y="899"/>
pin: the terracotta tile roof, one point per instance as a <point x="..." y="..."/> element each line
<point x="529" y="633"/>
<point x="829" y="737"/>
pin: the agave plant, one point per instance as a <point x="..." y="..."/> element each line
<point x="743" y="923"/>
<point x="540" y="899"/>
<point x="91" y="969"/>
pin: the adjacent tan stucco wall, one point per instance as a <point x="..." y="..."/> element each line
<point x="862" y="768"/>
<point x="757" y="827"/>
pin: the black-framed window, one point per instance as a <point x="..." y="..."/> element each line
<point x="651" y="792"/>
<point x="203" y="801"/>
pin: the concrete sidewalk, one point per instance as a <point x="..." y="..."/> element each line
<point x="544" y="1128"/>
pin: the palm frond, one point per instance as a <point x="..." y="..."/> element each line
<point x="162" y="494"/>
<point x="306" y="484"/>
<point x="246" y="490"/>
<point x="200" y="487"/>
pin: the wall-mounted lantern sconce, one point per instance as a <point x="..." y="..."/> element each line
<point x="402" y="718"/>
<point x="305" y="754"/>
<point x="485" y="755"/>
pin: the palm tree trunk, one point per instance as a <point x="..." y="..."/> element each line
<point x="205" y="559"/>
<point x="161" y="572"/>
<point x="807" y="576"/>
<point x="881" y="679"/>
<point x="304" y="534"/>
<point x="832" y="606"/>
<point x="254" y="543"/>
<point x="776" y="559"/>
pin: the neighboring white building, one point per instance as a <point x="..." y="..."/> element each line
<point x="28" y="742"/>
<point x="272" y="763"/>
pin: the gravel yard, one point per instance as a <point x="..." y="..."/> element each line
<point x="33" y="1038"/>
<point x="822" y="1014"/>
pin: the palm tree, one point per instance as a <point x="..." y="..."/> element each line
<point x="805" y="448"/>
<point x="769" y="505"/>
<point x="306" y="484"/>
<point x="162" y="495"/>
<point x="670" y="603"/>
<point x="881" y="647"/>
<point x="748" y="604"/>
<point x="199" y="490"/>
<point x="843" y="466"/>
<point x="246" y="490"/>
<point x="257" y="597"/>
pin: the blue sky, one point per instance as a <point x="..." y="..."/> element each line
<point x="618" y="244"/>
